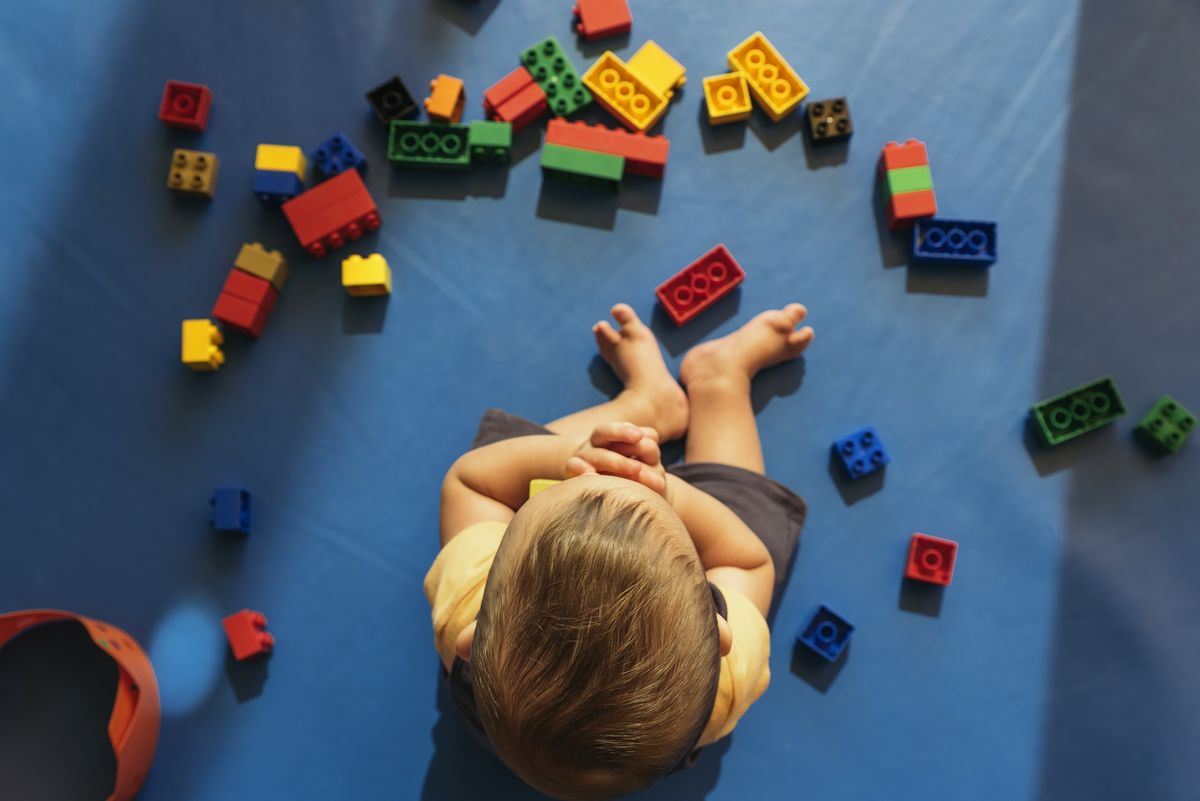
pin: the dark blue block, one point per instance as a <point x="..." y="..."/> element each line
<point x="861" y="452"/>
<point x="276" y="186"/>
<point x="229" y="509"/>
<point x="966" y="242"/>
<point x="826" y="633"/>
<point x="337" y="154"/>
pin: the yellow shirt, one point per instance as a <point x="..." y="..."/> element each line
<point x="454" y="587"/>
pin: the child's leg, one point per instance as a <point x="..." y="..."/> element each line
<point x="717" y="375"/>
<point x="652" y="397"/>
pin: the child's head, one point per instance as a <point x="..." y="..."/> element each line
<point x="595" y="659"/>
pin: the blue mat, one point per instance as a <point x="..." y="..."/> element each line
<point x="1059" y="665"/>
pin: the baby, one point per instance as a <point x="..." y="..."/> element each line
<point x="599" y="633"/>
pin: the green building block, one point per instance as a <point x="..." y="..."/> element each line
<point x="426" y="144"/>
<point x="909" y="179"/>
<point x="583" y="166"/>
<point x="490" y="141"/>
<point x="1079" y="411"/>
<point x="553" y="71"/>
<point x="1168" y="423"/>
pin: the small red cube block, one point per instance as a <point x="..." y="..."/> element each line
<point x="246" y="632"/>
<point x="931" y="559"/>
<point x="699" y="285"/>
<point x="185" y="105"/>
<point x="245" y="302"/>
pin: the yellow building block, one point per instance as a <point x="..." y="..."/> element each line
<point x="281" y="158"/>
<point x="539" y="484"/>
<point x="194" y="172"/>
<point x="446" y="99"/>
<point x="370" y="276"/>
<point x="727" y="97"/>
<point x="661" y="73"/>
<point x="269" y="265"/>
<point x="773" y="82"/>
<point x="625" y="95"/>
<point x="200" y="345"/>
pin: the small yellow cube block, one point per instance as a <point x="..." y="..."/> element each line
<point x="281" y="158"/>
<point x="539" y="484"/>
<point x="364" y="277"/>
<point x="657" y="69"/>
<point x="773" y="82"/>
<point x="193" y="172"/>
<point x="201" y="341"/>
<point x="727" y="98"/>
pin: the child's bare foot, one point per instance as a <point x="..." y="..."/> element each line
<point x="634" y="356"/>
<point x="768" y="339"/>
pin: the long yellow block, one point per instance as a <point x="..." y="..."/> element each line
<point x="773" y="82"/>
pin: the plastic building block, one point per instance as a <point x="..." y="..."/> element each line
<point x="490" y="141"/>
<point x="582" y="166"/>
<point x="332" y="213"/>
<point x="623" y="93"/>
<point x="907" y="182"/>
<point x="829" y="121"/>
<point x="364" y="277"/>
<point x="253" y="258"/>
<point x="539" y="484"/>
<point x="1168" y="423"/>
<point x="727" y="98"/>
<point x="826" y="634"/>
<point x="201" y="345"/>
<point x="931" y="559"/>
<point x="1078" y="411"/>
<point x="657" y="69"/>
<point x="336" y="154"/>
<point x="391" y="101"/>
<point x="281" y="158"/>
<point x="446" y="99"/>
<point x="247" y="634"/>
<point x="601" y="18"/>
<point x="905" y="209"/>
<point x="965" y="242"/>
<point x="425" y="144"/>
<point x="185" y="105"/>
<point x="644" y="155"/>
<point x="773" y="82"/>
<point x="699" y="285"/>
<point x="896" y="156"/>
<point x="275" y="186"/>
<point x="861" y="453"/>
<point x="516" y="98"/>
<point x="909" y="179"/>
<point x="553" y="71"/>
<point x="245" y="302"/>
<point x="193" y="172"/>
<point x="229" y="509"/>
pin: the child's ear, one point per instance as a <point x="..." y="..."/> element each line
<point x="723" y="632"/>
<point x="462" y="644"/>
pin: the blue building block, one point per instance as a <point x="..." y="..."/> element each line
<point x="337" y="154"/>
<point x="229" y="509"/>
<point x="861" y="452"/>
<point x="826" y="633"/>
<point x="964" y="242"/>
<point x="276" y="186"/>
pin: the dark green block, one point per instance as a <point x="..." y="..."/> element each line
<point x="553" y="71"/>
<point x="909" y="179"/>
<point x="583" y="166"/>
<point x="1168" y="423"/>
<point x="1079" y="411"/>
<point x="425" y="144"/>
<point x="490" y="141"/>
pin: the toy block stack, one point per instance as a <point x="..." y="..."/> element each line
<point x="546" y="79"/>
<point x="638" y="92"/>
<point x="600" y="155"/>
<point x="332" y="213"/>
<point x="279" y="172"/>
<point x="907" y="183"/>
<point x="251" y="289"/>
<point x="446" y="99"/>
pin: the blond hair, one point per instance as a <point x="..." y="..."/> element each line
<point x="596" y="655"/>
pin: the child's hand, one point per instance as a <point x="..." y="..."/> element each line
<point x="622" y="449"/>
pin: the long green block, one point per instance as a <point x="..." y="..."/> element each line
<point x="1168" y="423"/>
<point x="427" y="144"/>
<point x="490" y="141"/>
<point x="582" y="166"/>
<point x="1079" y="411"/>
<point x="547" y="62"/>
<point x="909" y="179"/>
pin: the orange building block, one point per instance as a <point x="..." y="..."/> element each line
<point x="446" y="99"/>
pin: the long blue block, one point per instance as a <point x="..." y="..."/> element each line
<point x="276" y="186"/>
<point x="965" y="242"/>
<point x="229" y="509"/>
<point x="861" y="452"/>
<point x="826" y="633"/>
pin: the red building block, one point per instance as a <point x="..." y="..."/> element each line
<point x="246" y="632"/>
<point x="896" y="156"/>
<point x="245" y="302"/>
<point x="332" y="213"/>
<point x="699" y="285"/>
<point x="931" y="559"/>
<point x="904" y="209"/>
<point x="185" y="105"/>
<point x="644" y="155"/>
<point x="516" y="98"/>
<point x="601" y="18"/>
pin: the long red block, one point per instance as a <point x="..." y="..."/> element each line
<point x="601" y="18"/>
<point x="246" y="632"/>
<point x="699" y="285"/>
<point x="644" y="155"/>
<point x="332" y="213"/>
<point x="516" y="98"/>
<point x="896" y="156"/>
<point x="931" y="559"/>
<point x="904" y="209"/>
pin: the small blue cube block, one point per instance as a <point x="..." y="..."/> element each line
<point x="826" y="633"/>
<point x="964" y="242"/>
<point x="229" y="509"/>
<point x="276" y="186"/>
<point x="338" y="154"/>
<point x="861" y="452"/>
